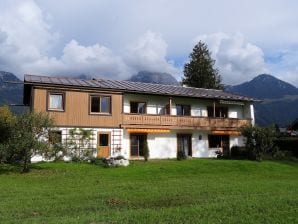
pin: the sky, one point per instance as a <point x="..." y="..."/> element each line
<point x="116" y="39"/>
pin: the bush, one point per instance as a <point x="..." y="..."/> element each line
<point x="282" y="155"/>
<point x="287" y="144"/>
<point x="259" y="140"/>
<point x="235" y="151"/>
<point x="181" y="155"/>
<point x="98" y="162"/>
<point x="146" y="151"/>
<point x="238" y="152"/>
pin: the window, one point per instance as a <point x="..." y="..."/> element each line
<point x="138" y="107"/>
<point x="219" y="112"/>
<point x="56" y="101"/>
<point x="137" y="142"/>
<point x="104" y="140"/>
<point x="55" y="137"/>
<point x="218" y="141"/>
<point x="183" y="110"/>
<point x="100" y="104"/>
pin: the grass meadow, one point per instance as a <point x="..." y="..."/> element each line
<point x="168" y="191"/>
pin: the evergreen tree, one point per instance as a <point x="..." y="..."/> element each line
<point x="199" y="71"/>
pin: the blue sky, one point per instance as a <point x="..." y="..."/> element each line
<point x="116" y="38"/>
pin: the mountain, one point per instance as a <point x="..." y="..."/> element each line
<point x="154" y="77"/>
<point x="264" y="87"/>
<point x="279" y="99"/>
<point x="10" y="93"/>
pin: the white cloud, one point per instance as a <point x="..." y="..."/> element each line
<point x="78" y="59"/>
<point x="25" y="36"/>
<point x="285" y="65"/>
<point x="54" y="37"/>
<point x="237" y="59"/>
<point x="26" y="41"/>
<point x="149" y="53"/>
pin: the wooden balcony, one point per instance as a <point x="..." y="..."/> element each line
<point x="172" y="122"/>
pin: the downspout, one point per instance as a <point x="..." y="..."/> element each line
<point x="214" y="109"/>
<point x="170" y="106"/>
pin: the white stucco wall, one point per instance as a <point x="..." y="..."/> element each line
<point x="236" y="111"/>
<point x="200" y="148"/>
<point x="161" y="145"/>
<point x="164" y="145"/>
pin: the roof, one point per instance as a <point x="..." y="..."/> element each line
<point x="135" y="87"/>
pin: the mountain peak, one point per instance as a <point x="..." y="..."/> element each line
<point x="154" y="77"/>
<point x="265" y="86"/>
<point x="7" y="76"/>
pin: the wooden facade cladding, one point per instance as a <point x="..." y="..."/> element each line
<point x="192" y="122"/>
<point x="77" y="108"/>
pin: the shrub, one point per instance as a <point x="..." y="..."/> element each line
<point x="181" y="155"/>
<point x="98" y="162"/>
<point x="259" y="140"/>
<point x="146" y="151"/>
<point x="282" y="155"/>
<point x="238" y="152"/>
<point x="287" y="144"/>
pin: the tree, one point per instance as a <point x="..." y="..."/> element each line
<point x="29" y="137"/>
<point x="259" y="140"/>
<point x="199" y="71"/>
<point x="7" y="122"/>
<point x="23" y="136"/>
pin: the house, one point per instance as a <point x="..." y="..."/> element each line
<point x="293" y="128"/>
<point x="123" y="115"/>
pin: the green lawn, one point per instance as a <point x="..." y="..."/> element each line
<point x="192" y="191"/>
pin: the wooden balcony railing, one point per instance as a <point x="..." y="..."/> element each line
<point x="183" y="121"/>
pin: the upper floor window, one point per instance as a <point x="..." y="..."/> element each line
<point x="183" y="110"/>
<point x="56" y="101"/>
<point x="100" y="104"/>
<point x="138" y="107"/>
<point x="219" y="112"/>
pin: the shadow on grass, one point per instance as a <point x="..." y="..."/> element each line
<point x="15" y="168"/>
<point x="8" y="168"/>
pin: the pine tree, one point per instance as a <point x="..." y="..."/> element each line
<point x="199" y="71"/>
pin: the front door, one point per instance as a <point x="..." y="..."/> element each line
<point x="184" y="144"/>
<point x="104" y="144"/>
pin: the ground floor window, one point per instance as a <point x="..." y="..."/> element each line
<point x="137" y="142"/>
<point x="219" y="141"/>
<point x="55" y="137"/>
